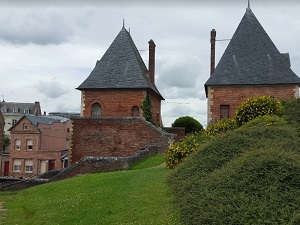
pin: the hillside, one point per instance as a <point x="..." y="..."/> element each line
<point x="249" y="176"/>
<point x="137" y="196"/>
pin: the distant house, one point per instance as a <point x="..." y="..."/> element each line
<point x="112" y="122"/>
<point x="38" y="144"/>
<point x="13" y="111"/>
<point x="250" y="66"/>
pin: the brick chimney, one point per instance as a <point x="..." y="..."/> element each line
<point x="152" y="61"/>
<point x="212" y="50"/>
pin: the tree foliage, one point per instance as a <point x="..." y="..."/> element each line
<point x="146" y="107"/>
<point x="190" y="124"/>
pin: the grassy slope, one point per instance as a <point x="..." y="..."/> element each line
<point x="139" y="196"/>
<point x="250" y="176"/>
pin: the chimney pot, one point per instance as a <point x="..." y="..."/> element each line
<point x="152" y="61"/>
<point x="212" y="50"/>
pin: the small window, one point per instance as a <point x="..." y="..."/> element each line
<point x="29" y="144"/>
<point x="14" y="121"/>
<point x="17" y="165"/>
<point x="28" y="166"/>
<point x="96" y="109"/>
<point x="4" y="109"/>
<point x="17" y="144"/>
<point x="224" y="111"/>
<point x="135" y="111"/>
<point x="15" y="110"/>
<point x="25" y="126"/>
<point x="26" y="111"/>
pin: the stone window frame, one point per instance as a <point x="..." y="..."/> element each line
<point x="28" y="166"/>
<point x="96" y="111"/>
<point x="17" y="165"/>
<point x="29" y="144"/>
<point x="135" y="111"/>
<point x="18" y="145"/>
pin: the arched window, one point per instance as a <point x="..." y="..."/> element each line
<point x="96" y="109"/>
<point x="135" y="111"/>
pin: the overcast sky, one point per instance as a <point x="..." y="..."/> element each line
<point x="48" y="48"/>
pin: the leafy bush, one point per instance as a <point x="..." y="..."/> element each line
<point x="220" y="127"/>
<point x="182" y="149"/>
<point x="189" y="123"/>
<point x="249" y="176"/>
<point x="291" y="110"/>
<point x="258" y="106"/>
<point x="266" y="120"/>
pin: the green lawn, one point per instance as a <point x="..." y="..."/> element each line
<point x="139" y="196"/>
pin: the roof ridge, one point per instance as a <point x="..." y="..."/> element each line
<point x="121" y="66"/>
<point x="252" y="58"/>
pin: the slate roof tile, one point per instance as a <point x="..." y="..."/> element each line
<point x="251" y="58"/>
<point x="121" y="67"/>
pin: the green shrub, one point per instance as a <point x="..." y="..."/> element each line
<point x="220" y="127"/>
<point x="258" y="106"/>
<point x="249" y="176"/>
<point x="291" y="110"/>
<point x="189" y="123"/>
<point x="182" y="149"/>
<point x="266" y="120"/>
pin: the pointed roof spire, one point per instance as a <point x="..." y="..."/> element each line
<point x="251" y="58"/>
<point x="248" y="8"/>
<point x="121" y="67"/>
<point x="123" y="23"/>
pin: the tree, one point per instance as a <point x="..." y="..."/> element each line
<point x="190" y="124"/>
<point x="146" y="107"/>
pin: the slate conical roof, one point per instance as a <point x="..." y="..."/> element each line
<point x="251" y="58"/>
<point x="121" y="67"/>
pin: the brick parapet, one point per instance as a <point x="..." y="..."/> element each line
<point x="115" y="137"/>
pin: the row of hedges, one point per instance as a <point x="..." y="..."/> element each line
<point x="248" y="176"/>
<point x="247" y="111"/>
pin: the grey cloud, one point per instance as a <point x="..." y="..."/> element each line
<point x="51" y="89"/>
<point x="33" y="27"/>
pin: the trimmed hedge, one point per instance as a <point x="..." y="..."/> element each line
<point x="190" y="124"/>
<point x="248" y="176"/>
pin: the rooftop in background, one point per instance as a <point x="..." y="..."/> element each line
<point x="64" y="114"/>
<point x="121" y="67"/>
<point x="251" y="58"/>
<point x="20" y="108"/>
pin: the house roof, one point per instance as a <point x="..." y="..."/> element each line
<point x="9" y="107"/>
<point x="35" y="120"/>
<point x="121" y="67"/>
<point x="251" y="58"/>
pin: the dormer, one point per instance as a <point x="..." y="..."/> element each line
<point x="15" y="109"/>
<point x="4" y="109"/>
<point x="26" y="111"/>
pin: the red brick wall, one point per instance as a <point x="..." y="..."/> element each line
<point x="234" y="95"/>
<point x="118" y="103"/>
<point x="114" y="137"/>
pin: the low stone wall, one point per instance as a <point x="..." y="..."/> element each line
<point x="84" y="166"/>
<point x="103" y="164"/>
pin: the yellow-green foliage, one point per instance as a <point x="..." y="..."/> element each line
<point x="220" y="127"/>
<point x="258" y="106"/>
<point x="183" y="148"/>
